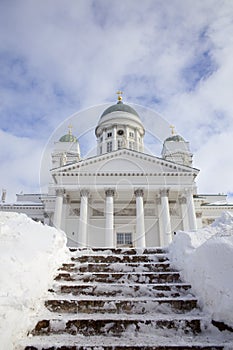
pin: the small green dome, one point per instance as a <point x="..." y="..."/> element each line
<point x="119" y="107"/>
<point x="68" y="138"/>
<point x="176" y="138"/>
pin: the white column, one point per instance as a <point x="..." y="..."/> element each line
<point x="66" y="203"/>
<point x="109" y="223"/>
<point x="191" y="211"/>
<point x="184" y="213"/>
<point x="140" y="241"/>
<point x="58" y="208"/>
<point x="165" y="216"/>
<point x="82" y="232"/>
<point x="161" y="229"/>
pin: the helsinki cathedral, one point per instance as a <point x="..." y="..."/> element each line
<point x="122" y="196"/>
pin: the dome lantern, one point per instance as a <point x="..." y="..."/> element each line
<point x="119" y="127"/>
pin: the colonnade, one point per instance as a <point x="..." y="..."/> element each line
<point x="126" y="139"/>
<point x="187" y="212"/>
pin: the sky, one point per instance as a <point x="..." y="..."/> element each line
<point x="60" y="60"/>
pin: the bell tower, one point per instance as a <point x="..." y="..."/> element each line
<point x="66" y="150"/>
<point x="176" y="149"/>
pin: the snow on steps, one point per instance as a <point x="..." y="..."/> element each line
<point x="117" y="267"/>
<point x="114" y="325"/>
<point x="119" y="299"/>
<point x="160" y="257"/>
<point x="128" y="306"/>
<point x="160" y="290"/>
<point x="127" y="343"/>
<point x="121" y="277"/>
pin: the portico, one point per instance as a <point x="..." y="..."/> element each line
<point x="123" y="196"/>
<point x="103" y="213"/>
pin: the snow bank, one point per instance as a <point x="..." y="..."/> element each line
<point x="30" y="253"/>
<point x="205" y="259"/>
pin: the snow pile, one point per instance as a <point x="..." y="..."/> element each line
<point x="205" y="259"/>
<point x="30" y="253"/>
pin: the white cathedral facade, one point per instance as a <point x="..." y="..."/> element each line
<point x="122" y="196"/>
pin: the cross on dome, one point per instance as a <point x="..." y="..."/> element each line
<point x="119" y="93"/>
<point x="70" y="127"/>
<point x="172" y="129"/>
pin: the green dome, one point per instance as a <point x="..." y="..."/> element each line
<point x="176" y="138"/>
<point x="68" y="138"/>
<point x="119" y="107"/>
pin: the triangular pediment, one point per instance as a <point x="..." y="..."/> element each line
<point x="125" y="161"/>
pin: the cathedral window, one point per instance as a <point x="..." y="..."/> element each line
<point x="131" y="134"/>
<point x="109" y="146"/>
<point x="109" y="134"/>
<point x="119" y="144"/>
<point x="130" y="145"/>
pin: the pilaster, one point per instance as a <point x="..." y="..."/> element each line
<point x="114" y="140"/>
<point x="184" y="212"/>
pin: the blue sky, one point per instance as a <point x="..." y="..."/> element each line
<point x="58" y="58"/>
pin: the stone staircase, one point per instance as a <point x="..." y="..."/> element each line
<point x="121" y="299"/>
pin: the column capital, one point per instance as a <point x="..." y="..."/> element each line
<point x="182" y="200"/>
<point x="84" y="193"/>
<point x="188" y="192"/>
<point x="60" y="192"/>
<point x="139" y="192"/>
<point x="164" y="192"/>
<point x="110" y="192"/>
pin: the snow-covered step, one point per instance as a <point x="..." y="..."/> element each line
<point x="152" y="341"/>
<point x="117" y="267"/>
<point x="129" y="306"/>
<point x="134" y="290"/>
<point x="104" y="258"/>
<point x="122" y="347"/>
<point x="121" y="251"/>
<point x="116" y="326"/>
<point x="120" y="277"/>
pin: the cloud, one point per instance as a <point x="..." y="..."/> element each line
<point x="20" y="164"/>
<point x="174" y="57"/>
<point x="215" y="161"/>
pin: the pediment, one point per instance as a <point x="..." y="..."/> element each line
<point x="124" y="161"/>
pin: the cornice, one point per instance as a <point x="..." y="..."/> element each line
<point x="123" y="174"/>
<point x="123" y="152"/>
